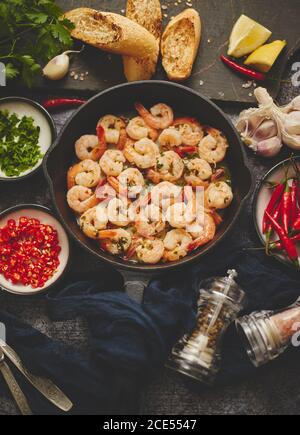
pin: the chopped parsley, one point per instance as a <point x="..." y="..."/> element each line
<point x="19" y="144"/>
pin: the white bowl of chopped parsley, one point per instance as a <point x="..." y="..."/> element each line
<point x="27" y="131"/>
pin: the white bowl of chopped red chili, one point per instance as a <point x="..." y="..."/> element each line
<point x="34" y="250"/>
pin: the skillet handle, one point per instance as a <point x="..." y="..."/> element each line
<point x="135" y="284"/>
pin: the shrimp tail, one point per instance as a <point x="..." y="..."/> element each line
<point x="102" y="141"/>
<point x="122" y="140"/>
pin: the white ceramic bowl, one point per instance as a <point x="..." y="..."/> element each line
<point x="262" y="199"/>
<point x="24" y="106"/>
<point x="45" y="216"/>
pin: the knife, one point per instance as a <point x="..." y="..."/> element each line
<point x="46" y="387"/>
<point x="14" y="387"/>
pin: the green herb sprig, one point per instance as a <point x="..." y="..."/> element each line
<point x="31" y="33"/>
<point x="19" y="144"/>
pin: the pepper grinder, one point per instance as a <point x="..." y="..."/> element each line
<point x="199" y="355"/>
<point x="267" y="334"/>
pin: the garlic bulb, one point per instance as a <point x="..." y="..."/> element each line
<point x="267" y="127"/>
<point x="58" y="67"/>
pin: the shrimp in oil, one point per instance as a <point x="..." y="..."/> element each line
<point x="160" y="116"/>
<point x="116" y="242"/>
<point x="94" y="220"/>
<point x="112" y="163"/>
<point x="176" y="244"/>
<point x="80" y="199"/>
<point x="86" y="173"/>
<point x="218" y="195"/>
<point x="137" y="129"/>
<point x="213" y="147"/>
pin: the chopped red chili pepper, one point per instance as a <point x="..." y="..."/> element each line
<point x="29" y="252"/>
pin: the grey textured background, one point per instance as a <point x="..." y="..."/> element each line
<point x="275" y="390"/>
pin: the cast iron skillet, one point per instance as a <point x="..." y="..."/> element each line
<point x="120" y="100"/>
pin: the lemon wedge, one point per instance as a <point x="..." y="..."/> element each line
<point x="247" y="35"/>
<point x="264" y="57"/>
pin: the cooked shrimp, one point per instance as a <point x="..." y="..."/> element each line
<point x="169" y="167"/>
<point x="80" y="199"/>
<point x="116" y="242"/>
<point x="204" y="233"/>
<point x="112" y="163"/>
<point x="176" y="245"/>
<point x="133" y="181"/>
<point x="197" y="171"/>
<point x="213" y="147"/>
<point x="114" y="129"/>
<point x="165" y="194"/>
<point x="142" y="153"/>
<point x="86" y="173"/>
<point x="117" y="211"/>
<point x="170" y="138"/>
<point x="219" y="195"/>
<point x="94" y="220"/>
<point x="150" y="221"/>
<point x="190" y="130"/>
<point x="149" y="251"/>
<point x="160" y="116"/>
<point x="180" y="215"/>
<point x="87" y="147"/>
<point x="137" y="129"/>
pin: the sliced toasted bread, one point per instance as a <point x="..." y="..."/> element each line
<point x="148" y="14"/>
<point x="180" y="44"/>
<point x="112" y="32"/>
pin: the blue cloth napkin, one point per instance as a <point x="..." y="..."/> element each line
<point x="130" y="343"/>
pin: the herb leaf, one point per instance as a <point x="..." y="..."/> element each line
<point x="31" y="33"/>
<point x="19" y="144"/>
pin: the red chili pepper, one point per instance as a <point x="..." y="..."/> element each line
<point x="294" y="192"/>
<point x="254" y="75"/>
<point x="279" y="246"/>
<point x="275" y="214"/>
<point x="62" y="102"/>
<point x="288" y="245"/>
<point x="276" y="197"/>
<point x="183" y="151"/>
<point x="296" y="225"/>
<point x="286" y="208"/>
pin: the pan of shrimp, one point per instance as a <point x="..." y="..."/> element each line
<point x="148" y="176"/>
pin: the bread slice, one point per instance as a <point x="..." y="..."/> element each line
<point x="113" y="33"/>
<point x="180" y="44"/>
<point x="148" y="14"/>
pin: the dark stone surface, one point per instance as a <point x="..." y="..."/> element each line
<point x="273" y="391"/>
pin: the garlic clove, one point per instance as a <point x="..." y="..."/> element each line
<point x="269" y="147"/>
<point x="294" y="105"/>
<point x="57" y="68"/>
<point x="266" y="130"/>
<point x="292" y="123"/>
<point x="263" y="97"/>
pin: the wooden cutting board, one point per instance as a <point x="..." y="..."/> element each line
<point x="210" y="76"/>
